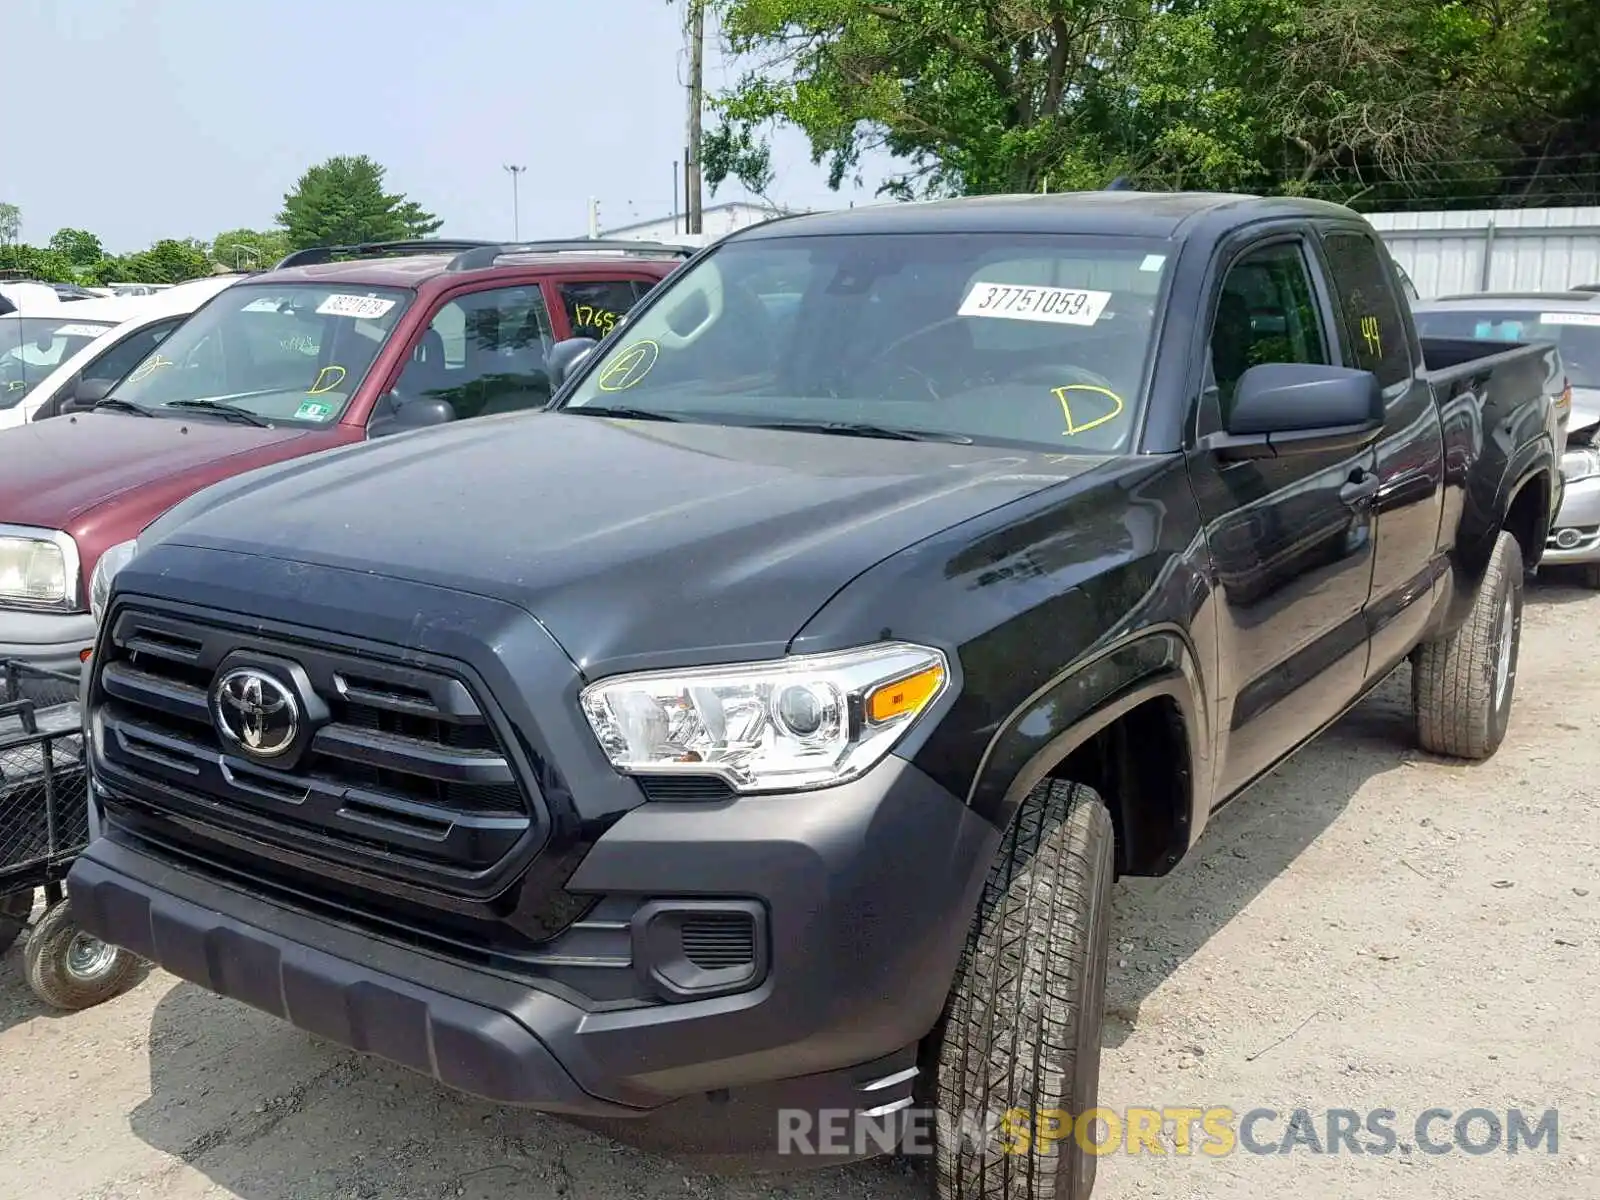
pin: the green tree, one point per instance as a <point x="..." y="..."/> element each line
<point x="78" y="246"/>
<point x="1387" y="100"/>
<point x="249" y="249"/>
<point x="341" y="202"/>
<point x="36" y="262"/>
<point x="10" y="224"/>
<point x="170" y="260"/>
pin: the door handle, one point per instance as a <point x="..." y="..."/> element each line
<point x="1362" y="486"/>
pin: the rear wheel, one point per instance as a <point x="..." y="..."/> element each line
<point x="1589" y="576"/>
<point x="68" y="969"/>
<point x="14" y="911"/>
<point x="1462" y="685"/>
<point x="1020" y="1039"/>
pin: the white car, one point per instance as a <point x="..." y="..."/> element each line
<point x="83" y="375"/>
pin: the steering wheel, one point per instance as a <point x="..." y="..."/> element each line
<point x="915" y="335"/>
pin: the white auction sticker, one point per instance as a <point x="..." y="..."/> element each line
<point x="88" y="331"/>
<point x="370" y="307"/>
<point x="1569" y="318"/>
<point x="1016" y="302"/>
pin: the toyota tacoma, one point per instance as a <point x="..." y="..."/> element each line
<point x="760" y="727"/>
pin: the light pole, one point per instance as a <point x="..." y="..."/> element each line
<point x="516" y="215"/>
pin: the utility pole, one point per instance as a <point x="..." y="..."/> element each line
<point x="516" y="208"/>
<point x="594" y="217"/>
<point x="691" y="159"/>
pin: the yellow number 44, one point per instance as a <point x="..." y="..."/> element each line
<point x="1369" y="330"/>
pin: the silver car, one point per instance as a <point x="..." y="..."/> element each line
<point x="1572" y="321"/>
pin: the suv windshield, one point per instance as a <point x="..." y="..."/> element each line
<point x="289" y="352"/>
<point x="1021" y="339"/>
<point x="1576" y="334"/>
<point x="32" y="347"/>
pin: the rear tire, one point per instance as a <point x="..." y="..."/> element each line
<point x="14" y="912"/>
<point x="1022" y="1027"/>
<point x="1462" y="686"/>
<point x="68" y="969"/>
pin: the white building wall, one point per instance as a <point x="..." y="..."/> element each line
<point x="1494" y="250"/>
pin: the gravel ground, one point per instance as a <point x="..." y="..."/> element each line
<point x="1367" y="928"/>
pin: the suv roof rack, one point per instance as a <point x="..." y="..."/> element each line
<point x="487" y="254"/>
<point x="316" y="255"/>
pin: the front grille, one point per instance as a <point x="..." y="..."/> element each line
<point x="402" y="774"/>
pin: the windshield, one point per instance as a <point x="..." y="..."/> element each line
<point x="291" y="352"/>
<point x="1576" y="334"/>
<point x="1020" y="339"/>
<point x="32" y="347"/>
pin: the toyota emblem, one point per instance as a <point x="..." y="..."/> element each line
<point x="255" y="712"/>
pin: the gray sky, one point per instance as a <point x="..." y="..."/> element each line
<point x="144" y="119"/>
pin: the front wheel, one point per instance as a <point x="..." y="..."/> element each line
<point x="68" y="969"/>
<point x="1020" y="1039"/>
<point x="1462" y="685"/>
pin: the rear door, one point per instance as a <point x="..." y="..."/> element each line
<point x="1374" y="335"/>
<point x="1290" y="537"/>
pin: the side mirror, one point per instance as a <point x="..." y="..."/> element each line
<point x="564" y="358"/>
<point x="1300" y="408"/>
<point x="394" y="415"/>
<point x="86" y="393"/>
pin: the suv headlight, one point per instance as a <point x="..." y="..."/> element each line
<point x="807" y="721"/>
<point x="112" y="561"/>
<point x="38" y="567"/>
<point x="1579" y="464"/>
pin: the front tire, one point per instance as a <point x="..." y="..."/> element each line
<point x="68" y="969"/>
<point x="1462" y="685"/>
<point x="1022" y="1029"/>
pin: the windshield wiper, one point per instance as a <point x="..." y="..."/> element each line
<point x="231" y="411"/>
<point x="634" y="414"/>
<point x="864" y="429"/>
<point x="112" y="404"/>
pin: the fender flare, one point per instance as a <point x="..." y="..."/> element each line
<point x="1154" y="663"/>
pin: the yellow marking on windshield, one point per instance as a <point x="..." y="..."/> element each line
<point x="319" y="386"/>
<point x="150" y="368"/>
<point x="1074" y="427"/>
<point x="630" y="366"/>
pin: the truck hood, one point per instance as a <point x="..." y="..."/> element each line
<point x="634" y="543"/>
<point x="55" y="471"/>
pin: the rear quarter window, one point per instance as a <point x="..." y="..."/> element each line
<point x="1371" y="323"/>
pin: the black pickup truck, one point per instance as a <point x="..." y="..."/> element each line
<point x="761" y="727"/>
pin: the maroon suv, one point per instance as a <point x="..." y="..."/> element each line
<point x="331" y="346"/>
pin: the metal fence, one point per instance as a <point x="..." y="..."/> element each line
<point x="1488" y="250"/>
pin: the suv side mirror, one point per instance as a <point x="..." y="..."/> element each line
<point x="1300" y="408"/>
<point x="86" y="393"/>
<point x="394" y="415"/>
<point x="565" y="356"/>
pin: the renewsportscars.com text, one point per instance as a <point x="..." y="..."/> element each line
<point x="1180" y="1130"/>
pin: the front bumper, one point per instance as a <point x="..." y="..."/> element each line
<point x="50" y="641"/>
<point x="868" y="889"/>
<point x="1575" y="537"/>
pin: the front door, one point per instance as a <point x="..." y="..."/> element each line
<point x="1290" y="537"/>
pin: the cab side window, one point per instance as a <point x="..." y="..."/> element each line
<point x="595" y="306"/>
<point x="483" y="353"/>
<point x="1369" y="310"/>
<point x="1266" y="313"/>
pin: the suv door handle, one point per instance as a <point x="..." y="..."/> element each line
<point x="1363" y="486"/>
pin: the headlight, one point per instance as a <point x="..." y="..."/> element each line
<point x="803" y="722"/>
<point x="112" y="561"/>
<point x="1580" y="464"/>
<point x="38" y="566"/>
